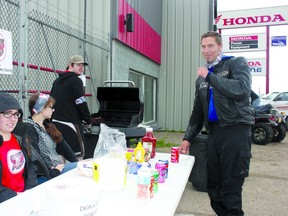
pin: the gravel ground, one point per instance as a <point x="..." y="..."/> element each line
<point x="265" y="190"/>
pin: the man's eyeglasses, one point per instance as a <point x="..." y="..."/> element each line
<point x="16" y="115"/>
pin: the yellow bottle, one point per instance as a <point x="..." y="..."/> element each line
<point x="139" y="153"/>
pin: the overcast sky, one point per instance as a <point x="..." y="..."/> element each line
<point x="224" y="5"/>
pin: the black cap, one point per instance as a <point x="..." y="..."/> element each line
<point x="7" y="102"/>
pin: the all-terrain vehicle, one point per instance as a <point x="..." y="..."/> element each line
<point x="269" y="127"/>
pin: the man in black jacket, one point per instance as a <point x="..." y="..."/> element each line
<point x="71" y="107"/>
<point x="222" y="104"/>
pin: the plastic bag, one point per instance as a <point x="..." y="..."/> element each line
<point x="111" y="143"/>
<point x="109" y="161"/>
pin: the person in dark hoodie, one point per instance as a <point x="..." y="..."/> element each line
<point x="17" y="165"/>
<point x="71" y="107"/>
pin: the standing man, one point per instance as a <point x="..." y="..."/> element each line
<point x="71" y="107"/>
<point x="222" y="104"/>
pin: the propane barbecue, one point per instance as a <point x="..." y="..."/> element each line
<point x="120" y="108"/>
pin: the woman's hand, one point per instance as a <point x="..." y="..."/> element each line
<point x="59" y="167"/>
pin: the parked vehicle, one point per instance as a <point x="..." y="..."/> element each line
<point x="278" y="100"/>
<point x="285" y="119"/>
<point x="268" y="127"/>
<point x="284" y="113"/>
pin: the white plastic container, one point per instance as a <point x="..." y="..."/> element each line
<point x="110" y="173"/>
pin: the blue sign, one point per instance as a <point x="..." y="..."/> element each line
<point x="278" y="41"/>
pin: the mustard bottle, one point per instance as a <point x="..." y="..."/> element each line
<point x="139" y="153"/>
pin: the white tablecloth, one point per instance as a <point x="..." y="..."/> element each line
<point x="121" y="202"/>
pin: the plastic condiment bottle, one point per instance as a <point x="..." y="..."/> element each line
<point x="143" y="182"/>
<point x="149" y="141"/>
<point x="139" y="153"/>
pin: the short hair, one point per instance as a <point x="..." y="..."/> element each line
<point x="67" y="68"/>
<point x="213" y="34"/>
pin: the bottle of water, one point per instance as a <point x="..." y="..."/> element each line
<point x="143" y="183"/>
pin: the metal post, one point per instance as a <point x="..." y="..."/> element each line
<point x="211" y="14"/>
<point x="267" y="59"/>
<point x="23" y="50"/>
<point x="85" y="28"/>
<point x="84" y="44"/>
<point x="112" y="16"/>
<point x="215" y="15"/>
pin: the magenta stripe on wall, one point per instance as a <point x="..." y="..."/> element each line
<point x="144" y="39"/>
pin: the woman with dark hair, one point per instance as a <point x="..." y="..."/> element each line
<point x="17" y="165"/>
<point x="51" y="144"/>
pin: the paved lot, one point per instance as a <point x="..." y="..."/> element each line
<point x="265" y="192"/>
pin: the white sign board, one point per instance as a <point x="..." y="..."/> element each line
<point x="6" y="66"/>
<point x="252" y="18"/>
<point x="257" y="66"/>
<point x="247" y="42"/>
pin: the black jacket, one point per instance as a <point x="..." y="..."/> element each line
<point x="30" y="170"/>
<point x="66" y="89"/>
<point x="231" y="82"/>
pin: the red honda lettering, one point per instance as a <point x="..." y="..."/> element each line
<point x="253" y="20"/>
<point x="278" y="17"/>
<point x="254" y="64"/>
<point x="264" y="19"/>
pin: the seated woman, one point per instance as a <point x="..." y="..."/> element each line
<point x="51" y="144"/>
<point x="17" y="167"/>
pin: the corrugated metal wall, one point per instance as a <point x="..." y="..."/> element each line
<point x="72" y="13"/>
<point x="150" y="10"/>
<point x="183" y="24"/>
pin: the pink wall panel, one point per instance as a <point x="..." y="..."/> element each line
<point x="144" y="39"/>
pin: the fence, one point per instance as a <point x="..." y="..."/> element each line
<point x="45" y="53"/>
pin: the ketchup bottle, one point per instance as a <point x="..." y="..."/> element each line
<point x="149" y="141"/>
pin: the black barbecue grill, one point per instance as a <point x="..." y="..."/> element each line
<point x="121" y="108"/>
